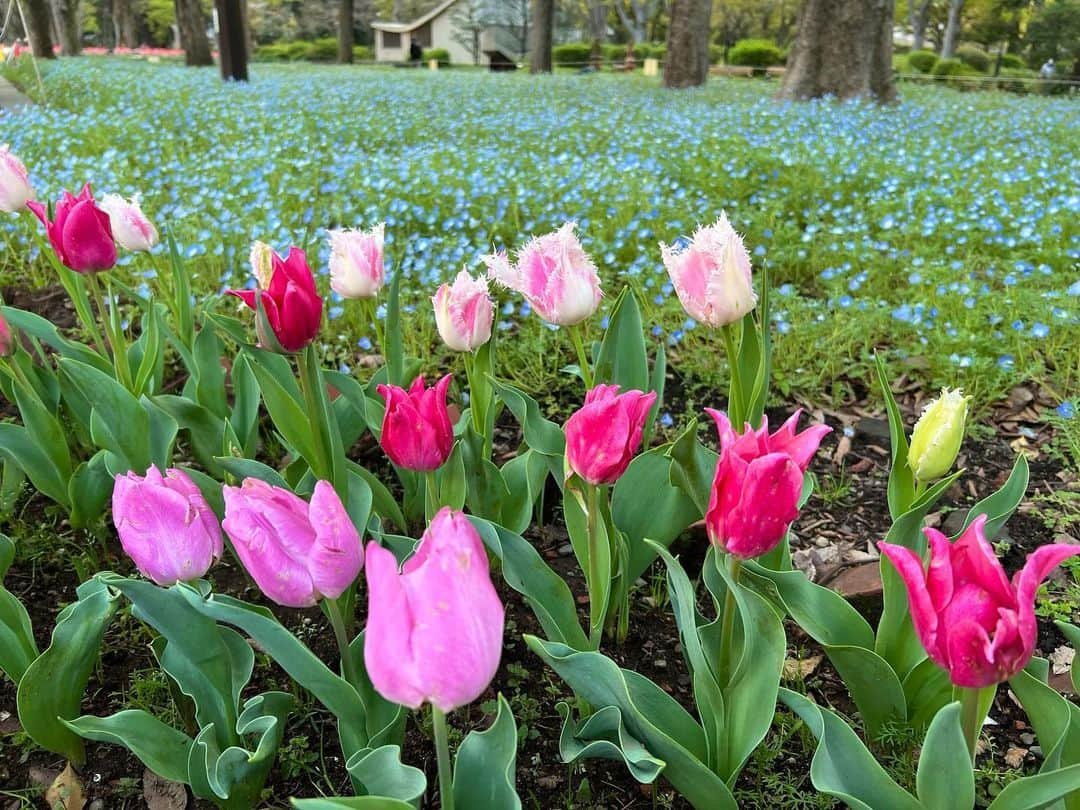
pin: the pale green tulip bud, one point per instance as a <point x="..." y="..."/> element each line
<point x="936" y="439"/>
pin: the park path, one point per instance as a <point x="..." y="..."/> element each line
<point x="10" y="98"/>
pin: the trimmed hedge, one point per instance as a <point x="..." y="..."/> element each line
<point x="954" y="67"/>
<point x="756" y="53"/>
<point x="1012" y="62"/>
<point x="974" y="57"/>
<point x="572" y="53"/>
<point x="321" y="50"/>
<point x="922" y="61"/>
<point x="1014" y="86"/>
<point x="440" y="55"/>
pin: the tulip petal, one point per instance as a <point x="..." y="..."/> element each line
<point x="969" y="661"/>
<point x="1038" y="566"/>
<point x="86" y="238"/>
<point x="338" y="553"/>
<point x="974" y="560"/>
<point x="388" y="649"/>
<point x="939" y="575"/>
<point x="923" y="615"/>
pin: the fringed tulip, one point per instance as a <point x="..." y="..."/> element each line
<point x="165" y="525"/>
<point x="711" y="275"/>
<point x="935" y="441"/>
<point x="130" y="226"/>
<point x="605" y="433"/>
<point x="755" y="492"/>
<point x="356" y="262"/>
<point x="555" y="274"/>
<point x="464" y="312"/>
<point x="15" y="188"/>
<point x="261" y="258"/>
<point x="292" y="306"/>
<point x="971" y="620"/>
<point x="296" y="552"/>
<point x="80" y="232"/>
<point x="434" y="631"/>
<point x="416" y="429"/>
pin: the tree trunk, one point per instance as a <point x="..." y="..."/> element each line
<point x="952" y="29"/>
<point x="232" y="42"/>
<point x="687" y="62"/>
<point x="346" y="36"/>
<point x="543" y="22"/>
<point x="39" y="23"/>
<point x="67" y="21"/>
<point x="192" y="25"/>
<point x="842" y="48"/>
<point x="919" y="16"/>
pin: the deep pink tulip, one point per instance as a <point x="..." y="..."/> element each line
<point x="80" y="232"/>
<point x="8" y="343"/>
<point x="555" y="274"/>
<point x="970" y="619"/>
<point x="296" y="552"/>
<point x="416" y="429"/>
<point x="603" y="435"/>
<point x="165" y="525"/>
<point x="434" y="631"/>
<point x="291" y="302"/>
<point x="464" y="312"/>
<point x="755" y="492"/>
<point x="15" y="188"/>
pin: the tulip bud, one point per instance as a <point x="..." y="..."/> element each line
<point x="712" y="275"/>
<point x="80" y="232"/>
<point x="165" y="525"/>
<point x="130" y="227"/>
<point x="434" y="631"/>
<point x="291" y="306"/>
<point x="262" y="263"/>
<point x="8" y="342"/>
<point x="605" y="433"/>
<point x="935" y="441"/>
<point x="555" y="274"/>
<point x="464" y="312"/>
<point x="296" y="552"/>
<point x="356" y="262"/>
<point x="416" y="429"/>
<point x="15" y="188"/>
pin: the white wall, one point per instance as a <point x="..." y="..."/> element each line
<point x="384" y="54"/>
<point x="442" y="36"/>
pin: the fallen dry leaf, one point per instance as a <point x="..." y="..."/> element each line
<point x="802" y="668"/>
<point x="66" y="791"/>
<point x="1014" y="757"/>
<point x="1062" y="659"/>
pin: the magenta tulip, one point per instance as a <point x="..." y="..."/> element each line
<point x="165" y="525"/>
<point x="434" y="631"/>
<point x="464" y="312"/>
<point x="971" y="620"/>
<point x="15" y="188"/>
<point x="291" y="303"/>
<point x="555" y="274"/>
<point x="755" y="492"/>
<point x="416" y="429"/>
<point x="605" y="433"/>
<point x="296" y="552"/>
<point x="8" y="342"/>
<point x="80" y="232"/>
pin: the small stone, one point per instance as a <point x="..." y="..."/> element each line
<point x="565" y="550"/>
<point x="660" y="663"/>
<point x="821" y="542"/>
<point x="1036" y="750"/>
<point x="1027" y="739"/>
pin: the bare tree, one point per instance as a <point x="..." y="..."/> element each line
<point x="636" y="18"/>
<point x="469" y="22"/>
<point x="687" y="62"/>
<point x="598" y="14"/>
<point x="192" y="24"/>
<point x="39" y="25"/>
<point x="843" y="48"/>
<point x="952" y="29"/>
<point x="918" y="17"/>
<point x="67" y="26"/>
<point x="543" y="23"/>
<point x="346" y="36"/>
<point x="512" y="16"/>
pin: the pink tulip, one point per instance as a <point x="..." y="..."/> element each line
<point x="605" y="433"/>
<point x="165" y="525"/>
<point x="755" y="492"/>
<point x="292" y="304"/>
<point x="464" y="312"/>
<point x="296" y="552"/>
<point x="970" y="619"/>
<point x="712" y="275"/>
<point x="8" y="343"/>
<point x="80" y="233"/>
<point x="434" y="631"/>
<point x="15" y="188"/>
<point x="416" y="429"/>
<point x="555" y="274"/>
<point x="356" y="262"/>
<point x="130" y="227"/>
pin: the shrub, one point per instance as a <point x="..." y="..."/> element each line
<point x="756" y="53"/>
<point x="1012" y="61"/>
<point x="1008" y="80"/>
<point x="362" y="53"/>
<point x="440" y="55"/>
<point x="953" y="71"/>
<point x="297" y="51"/>
<point x="276" y="52"/>
<point x="323" y="50"/>
<point x="572" y="53"/>
<point x="974" y="57"/>
<point x="716" y="54"/>
<point x="922" y="61"/>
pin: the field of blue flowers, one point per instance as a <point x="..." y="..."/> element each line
<point x="942" y="229"/>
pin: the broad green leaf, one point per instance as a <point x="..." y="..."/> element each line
<point x="1072" y="635"/>
<point x="52" y="687"/>
<point x="163" y="430"/>
<point x="927" y="690"/>
<point x="593" y="556"/>
<point x="118" y="421"/>
<point x="451" y="479"/>
<point x="1055" y="719"/>
<point x="382" y="773"/>
<point x="160" y="747"/>
<point x="89" y="489"/>
<point x="17" y="646"/>
<point x="383" y="502"/>
<point x="945" y="780"/>
<point x="18" y="446"/>
<point x="485" y="770"/>
<point x="351" y="803"/>
<point x="210" y="373"/>
<point x="999" y="506"/>
<point x="45" y="430"/>
<point x="238" y="773"/>
<point x="283" y="402"/>
<point x="842" y="766"/>
<point x="693" y="467"/>
<point x="241" y="468"/>
<point x="603" y="735"/>
<point x="623" y="358"/>
<point x="524" y="476"/>
<point x="873" y="685"/>
<point x="206" y="432"/>
<point x="657" y="383"/>
<point x="394" y="348"/>
<point x="759" y="391"/>
<point x="45" y="331"/>
<point x="901" y="481"/>
<point x="1039" y="791"/>
<point x="540" y="434"/>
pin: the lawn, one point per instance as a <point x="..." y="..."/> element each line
<point x="941" y="230"/>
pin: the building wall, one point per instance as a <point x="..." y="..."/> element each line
<point x="385" y="54"/>
<point x="442" y="36"/>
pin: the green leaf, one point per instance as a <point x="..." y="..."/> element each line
<point x="17" y="446"/>
<point x="241" y="468"/>
<point x="351" y="803"/>
<point x="181" y="292"/>
<point x="383" y="502"/>
<point x="945" y="780"/>
<point x="45" y="430"/>
<point x="657" y="383"/>
<point x="163" y="430"/>
<point x="451" y="480"/>
<point x="118" y="422"/>
<point x="926" y="690"/>
<point x="1055" y="719"/>
<point x="245" y="408"/>
<point x="238" y="774"/>
<point x="540" y="434"/>
<point x="595" y="559"/>
<point x="842" y="766"/>
<point x="760" y="327"/>
<point x="160" y="747"/>
<point x="205" y="430"/>
<point x="381" y="772"/>
<point x="210" y="373"/>
<point x="17" y="646"/>
<point x="901" y="479"/>
<point x="89" y="489"/>
<point x="693" y="467"/>
<point x="603" y="735"/>
<point x="150" y="349"/>
<point x="873" y="684"/>
<point x="525" y="476"/>
<point x="1039" y="791"/>
<point x="46" y="332"/>
<point x="485" y="770"/>
<point x="999" y="506"/>
<point x="1072" y="635"/>
<point x="282" y="398"/>
<point x="52" y="687"/>
<point x="623" y="358"/>
<point x="394" y="348"/>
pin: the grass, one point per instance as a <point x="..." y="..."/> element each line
<point x="941" y="230"/>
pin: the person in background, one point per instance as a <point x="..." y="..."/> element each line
<point x="416" y="53"/>
<point x="1047" y="70"/>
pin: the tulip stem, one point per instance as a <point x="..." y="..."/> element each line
<point x="974" y="706"/>
<point x="115" y="343"/>
<point x="597" y="610"/>
<point x="337" y="621"/>
<point x="583" y="359"/>
<point x="442" y="751"/>
<point x="309" y="379"/>
<point x="735" y="398"/>
<point x="431" y="494"/>
<point x="727" y="627"/>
